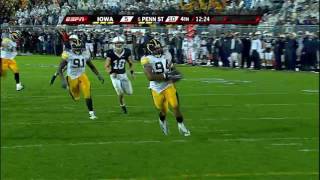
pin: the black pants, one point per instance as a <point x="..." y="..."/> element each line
<point x="255" y="57"/>
<point x="245" y="59"/>
<point x="278" y="61"/>
<point x="171" y="51"/>
<point x="224" y="59"/>
<point x="290" y="60"/>
<point x="179" y="56"/>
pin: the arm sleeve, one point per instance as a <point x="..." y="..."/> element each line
<point x="109" y="53"/>
<point x="86" y="55"/>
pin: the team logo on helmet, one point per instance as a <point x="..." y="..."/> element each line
<point x="76" y="46"/>
<point x="154" y="47"/>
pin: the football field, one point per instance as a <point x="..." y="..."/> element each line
<point x="244" y="125"/>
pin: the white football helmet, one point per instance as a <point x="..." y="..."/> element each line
<point x="118" y="43"/>
<point x="74" y="37"/>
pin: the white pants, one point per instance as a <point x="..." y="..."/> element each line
<point x="89" y="47"/>
<point x="268" y="56"/>
<point x="121" y="84"/>
<point x="203" y="52"/>
<point x="234" y="58"/>
<point x="191" y="55"/>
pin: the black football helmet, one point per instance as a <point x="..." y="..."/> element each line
<point x="154" y="47"/>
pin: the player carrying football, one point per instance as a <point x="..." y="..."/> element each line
<point x="8" y="54"/>
<point x="162" y="75"/>
<point x="77" y="80"/>
<point x="116" y="67"/>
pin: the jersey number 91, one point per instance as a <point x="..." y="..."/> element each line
<point x="77" y="63"/>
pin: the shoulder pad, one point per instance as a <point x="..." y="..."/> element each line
<point x="145" y="60"/>
<point x="65" y="55"/>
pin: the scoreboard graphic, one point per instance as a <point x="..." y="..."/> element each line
<point x="166" y="19"/>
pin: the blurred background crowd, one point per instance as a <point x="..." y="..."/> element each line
<point x="264" y="46"/>
<point x="52" y="12"/>
<point x="256" y="50"/>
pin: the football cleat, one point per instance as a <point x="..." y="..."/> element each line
<point x="92" y="115"/>
<point x="19" y="87"/>
<point x="124" y="109"/>
<point x="164" y="127"/>
<point x="183" y="130"/>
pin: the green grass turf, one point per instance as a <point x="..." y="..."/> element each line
<point x="245" y="125"/>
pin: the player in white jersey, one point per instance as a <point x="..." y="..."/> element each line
<point x="72" y="39"/>
<point x="77" y="81"/>
<point x="162" y="75"/>
<point x="8" y="54"/>
<point x="116" y="67"/>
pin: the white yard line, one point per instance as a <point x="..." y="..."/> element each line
<point x="148" y="142"/>
<point x="287" y="144"/>
<point x="311" y="90"/>
<point x="263" y="139"/>
<point x="308" y="150"/>
<point x="294" y="173"/>
<point x="200" y="94"/>
<point x="147" y="121"/>
<point x="227" y="175"/>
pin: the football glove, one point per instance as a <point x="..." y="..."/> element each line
<point x="53" y="78"/>
<point x="173" y="76"/>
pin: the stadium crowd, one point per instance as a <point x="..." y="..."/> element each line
<point x="231" y="49"/>
<point x="52" y="12"/>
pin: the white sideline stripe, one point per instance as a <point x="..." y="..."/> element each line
<point x="308" y="150"/>
<point x="262" y="139"/>
<point x="234" y="175"/>
<point x="311" y="90"/>
<point x="148" y="121"/>
<point x="204" y="94"/>
<point x="147" y="141"/>
<point x="294" y="173"/>
<point x="287" y="144"/>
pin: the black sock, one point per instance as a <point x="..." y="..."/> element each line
<point x="89" y="104"/>
<point x="162" y="117"/>
<point x="17" y="77"/>
<point x="179" y="119"/>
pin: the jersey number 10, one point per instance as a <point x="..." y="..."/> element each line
<point x="119" y="64"/>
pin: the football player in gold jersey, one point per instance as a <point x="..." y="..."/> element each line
<point x="77" y="81"/>
<point x="159" y="70"/>
<point x="8" y="54"/>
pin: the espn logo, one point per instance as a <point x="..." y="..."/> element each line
<point x="76" y="19"/>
